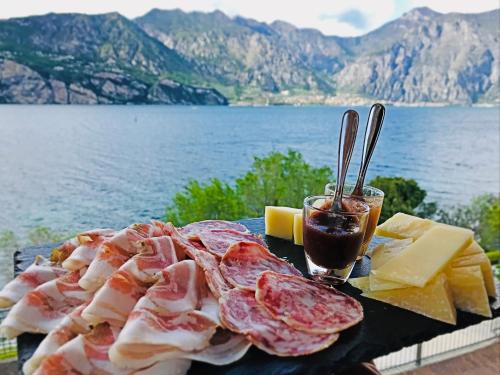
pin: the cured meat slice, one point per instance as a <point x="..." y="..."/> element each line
<point x="85" y="354"/>
<point x="148" y="337"/>
<point x="193" y="230"/>
<point x="118" y="296"/>
<point x="114" y="252"/>
<point x="62" y="252"/>
<point x="183" y="245"/>
<point x="178" y="289"/>
<point x="43" y="309"/>
<point x="225" y="347"/>
<point x="219" y="240"/>
<point x="307" y="305"/>
<point x="71" y="326"/>
<point x="36" y="274"/>
<point x="241" y="313"/>
<point x="88" y="244"/>
<point x="210" y="265"/>
<point x="245" y="261"/>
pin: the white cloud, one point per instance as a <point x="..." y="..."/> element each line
<point x="320" y="14"/>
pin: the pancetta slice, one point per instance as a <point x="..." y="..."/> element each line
<point x="85" y="354"/>
<point x="217" y="241"/>
<point x="307" y="305"/>
<point x="43" y="309"/>
<point x="241" y="313"/>
<point x="71" y="326"/>
<point x="245" y="261"/>
<point x="118" y="296"/>
<point x="148" y="337"/>
<point x="193" y="230"/>
<point x="88" y="244"/>
<point x="36" y="274"/>
<point x="114" y="252"/>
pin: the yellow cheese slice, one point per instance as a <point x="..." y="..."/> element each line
<point x="474" y="248"/>
<point x="361" y="283"/>
<point x="279" y="221"/>
<point x="423" y="259"/>
<point x="403" y="226"/>
<point x="387" y="250"/>
<point x="483" y="261"/>
<point x="435" y="300"/>
<point x="297" y="229"/>
<point x="469" y="292"/>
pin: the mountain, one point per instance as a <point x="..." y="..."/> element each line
<point x="170" y="56"/>
<point x="424" y="56"/>
<point x="75" y="58"/>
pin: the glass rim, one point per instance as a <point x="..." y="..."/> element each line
<point x="379" y="193"/>
<point x="326" y="196"/>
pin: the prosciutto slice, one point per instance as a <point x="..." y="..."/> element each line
<point x="245" y="261"/>
<point x="71" y="326"/>
<point x="148" y="337"/>
<point x="88" y="243"/>
<point x="114" y="252"/>
<point x="307" y="305"/>
<point x="193" y="230"/>
<point x="85" y="354"/>
<point x="43" y="309"/>
<point x="241" y="313"/>
<point x="36" y="274"/>
<point x="116" y="299"/>
<point x="219" y="240"/>
<point x="165" y="319"/>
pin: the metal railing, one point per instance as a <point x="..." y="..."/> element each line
<point x="8" y="348"/>
<point x="440" y="348"/>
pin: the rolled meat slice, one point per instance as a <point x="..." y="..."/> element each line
<point x="148" y="337"/>
<point x="88" y="244"/>
<point x="118" y="296"/>
<point x="43" y="309"/>
<point x="38" y="273"/>
<point x="115" y="251"/>
<point x="71" y="326"/>
<point x="85" y="354"/>
<point x="307" y="305"/>
<point x="217" y="241"/>
<point x="245" y="261"/>
<point x="193" y="230"/>
<point x="241" y="313"/>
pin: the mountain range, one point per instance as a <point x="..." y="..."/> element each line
<point x="174" y="57"/>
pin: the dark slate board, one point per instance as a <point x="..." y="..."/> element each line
<point x="385" y="328"/>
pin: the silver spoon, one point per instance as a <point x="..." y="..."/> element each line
<point x="372" y="131"/>
<point x="348" y="132"/>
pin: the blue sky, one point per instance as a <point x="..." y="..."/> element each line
<point x="332" y="17"/>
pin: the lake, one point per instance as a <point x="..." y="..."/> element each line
<point x="77" y="167"/>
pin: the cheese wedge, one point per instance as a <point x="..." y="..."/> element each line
<point x="418" y="263"/>
<point x="435" y="300"/>
<point x="401" y="226"/>
<point x="474" y="248"/>
<point x="469" y="292"/>
<point x="279" y="221"/>
<point x="387" y="250"/>
<point x="297" y="229"/>
<point x="483" y="261"/>
<point x="362" y="283"/>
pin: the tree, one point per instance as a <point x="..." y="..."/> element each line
<point x="402" y="195"/>
<point x="280" y="180"/>
<point x="213" y="200"/>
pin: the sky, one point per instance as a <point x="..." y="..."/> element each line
<point x="332" y="17"/>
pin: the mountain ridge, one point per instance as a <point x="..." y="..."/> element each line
<point x="421" y="57"/>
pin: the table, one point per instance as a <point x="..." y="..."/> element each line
<point x="385" y="328"/>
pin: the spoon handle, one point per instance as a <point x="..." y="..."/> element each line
<point x="373" y="127"/>
<point x="348" y="132"/>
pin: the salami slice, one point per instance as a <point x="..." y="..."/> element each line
<point x="193" y="230"/>
<point x="210" y="265"/>
<point x="241" y="313"/>
<point x="306" y="305"/>
<point x="245" y="261"/>
<point x="217" y="241"/>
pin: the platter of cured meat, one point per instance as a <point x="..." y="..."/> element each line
<point x="211" y="297"/>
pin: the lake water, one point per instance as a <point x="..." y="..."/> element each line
<point x="77" y="167"/>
